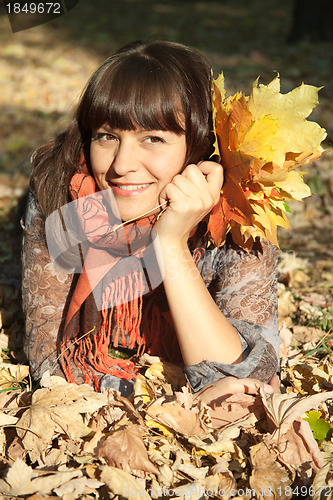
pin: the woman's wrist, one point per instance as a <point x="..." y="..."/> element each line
<point x="172" y="245"/>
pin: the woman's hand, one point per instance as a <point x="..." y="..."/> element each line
<point x="218" y="391"/>
<point x="191" y="195"/>
<point x="231" y="399"/>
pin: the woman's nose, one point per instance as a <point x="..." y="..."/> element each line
<point x="125" y="159"/>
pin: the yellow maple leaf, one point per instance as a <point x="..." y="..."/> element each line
<point x="288" y="113"/>
<point x="294" y="186"/>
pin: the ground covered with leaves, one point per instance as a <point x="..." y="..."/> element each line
<point x="67" y="441"/>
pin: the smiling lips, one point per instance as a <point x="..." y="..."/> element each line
<point x="129" y="189"/>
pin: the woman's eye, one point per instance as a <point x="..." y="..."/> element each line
<point x="104" y="137"/>
<point x="154" y="139"/>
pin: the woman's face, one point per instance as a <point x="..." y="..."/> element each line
<point x="136" y="165"/>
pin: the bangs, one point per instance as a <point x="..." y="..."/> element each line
<point x="138" y="92"/>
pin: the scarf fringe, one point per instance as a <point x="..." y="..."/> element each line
<point x="91" y="352"/>
<point x="160" y="334"/>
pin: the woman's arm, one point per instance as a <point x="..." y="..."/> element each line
<point x="44" y="294"/>
<point x="203" y="331"/>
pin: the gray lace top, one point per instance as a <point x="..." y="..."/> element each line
<point x="243" y="285"/>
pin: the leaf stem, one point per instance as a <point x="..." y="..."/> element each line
<point x="142" y="215"/>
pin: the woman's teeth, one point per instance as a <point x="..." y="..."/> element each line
<point x="131" y="187"/>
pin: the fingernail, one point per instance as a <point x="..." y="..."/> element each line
<point x="268" y="388"/>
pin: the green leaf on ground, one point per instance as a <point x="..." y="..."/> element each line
<point x="319" y="426"/>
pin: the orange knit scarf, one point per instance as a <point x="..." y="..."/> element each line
<point x="126" y="317"/>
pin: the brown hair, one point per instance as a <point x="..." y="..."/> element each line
<point x="154" y="85"/>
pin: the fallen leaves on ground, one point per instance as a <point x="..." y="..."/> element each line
<point x="68" y="441"/>
<point x="125" y="449"/>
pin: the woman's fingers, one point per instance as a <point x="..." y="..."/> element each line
<point x="191" y="195"/>
<point x="213" y="172"/>
<point x="248" y="386"/>
<point x="232" y="385"/>
<point x="205" y="171"/>
<point x="214" y="176"/>
<point x="275" y="384"/>
<point x="209" y="177"/>
<point x="202" y="181"/>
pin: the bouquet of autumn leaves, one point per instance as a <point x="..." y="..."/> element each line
<point x="261" y="140"/>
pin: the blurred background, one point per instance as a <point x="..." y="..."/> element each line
<point x="43" y="70"/>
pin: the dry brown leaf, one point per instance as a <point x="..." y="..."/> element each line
<point x="49" y="380"/>
<point x="46" y="484"/>
<point x="186" y="398"/>
<point x="286" y="305"/>
<point x="125" y="404"/>
<point x="11" y="375"/>
<point x="183" y="421"/>
<point x="306" y="334"/>
<point x="221" y="466"/>
<point x="16" y="449"/>
<point x="190" y="491"/>
<point x="235" y="407"/>
<point x="158" y="458"/>
<point x="8" y="400"/>
<point x="21" y="479"/>
<point x="285" y="408"/>
<point x="327" y="450"/>
<point x="147" y="359"/>
<point x="55" y="457"/>
<point x="316" y="299"/>
<point x="57" y="410"/>
<point x="168" y="372"/>
<point x="297" y="448"/>
<point x="143" y="391"/>
<point x="166" y="476"/>
<point x="106" y="416"/>
<point x="3" y="442"/>
<point x="224" y="483"/>
<point x="311" y="379"/>
<point x="75" y="487"/>
<point x="224" y="442"/>
<point x="220" y="486"/>
<point x="6" y="419"/>
<point x="90" y="446"/>
<point x="123" y="484"/>
<point x="285" y="335"/>
<point x="191" y="470"/>
<point x="268" y="479"/>
<point x="39" y="497"/>
<point x="125" y="449"/>
<point x="323" y="484"/>
<point x="182" y="457"/>
<point x="17" y="481"/>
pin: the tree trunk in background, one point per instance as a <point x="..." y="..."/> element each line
<point x="312" y="20"/>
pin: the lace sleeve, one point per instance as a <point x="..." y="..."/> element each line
<point x="244" y="286"/>
<point x="44" y="294"/>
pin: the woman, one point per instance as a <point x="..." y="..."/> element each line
<point x="140" y="143"/>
